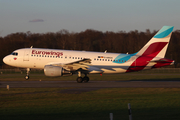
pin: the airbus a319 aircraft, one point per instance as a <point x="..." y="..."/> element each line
<point x="67" y="62"/>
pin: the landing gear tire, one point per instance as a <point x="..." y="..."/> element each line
<point x="27" y="77"/>
<point x="86" y="79"/>
<point x="79" y="80"/>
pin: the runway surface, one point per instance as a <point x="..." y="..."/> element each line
<point x="90" y="84"/>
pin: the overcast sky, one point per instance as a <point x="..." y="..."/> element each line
<point x="41" y="16"/>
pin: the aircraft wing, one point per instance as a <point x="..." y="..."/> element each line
<point x="82" y="65"/>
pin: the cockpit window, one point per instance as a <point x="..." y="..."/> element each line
<point x="14" y="53"/>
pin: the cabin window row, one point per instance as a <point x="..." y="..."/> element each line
<point x="119" y="60"/>
<point x="46" y="56"/>
<point x="109" y="60"/>
<point x="77" y="58"/>
<point x="102" y="59"/>
<point x="56" y="57"/>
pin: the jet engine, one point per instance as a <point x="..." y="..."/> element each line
<point x="55" y="71"/>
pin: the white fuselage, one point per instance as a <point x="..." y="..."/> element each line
<point x="37" y="58"/>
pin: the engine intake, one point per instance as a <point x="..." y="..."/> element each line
<point x="55" y="71"/>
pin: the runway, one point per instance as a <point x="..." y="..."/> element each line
<point x="90" y="84"/>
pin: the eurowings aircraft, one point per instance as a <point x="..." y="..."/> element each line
<point x="67" y="62"/>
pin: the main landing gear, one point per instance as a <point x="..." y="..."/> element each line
<point x="27" y="76"/>
<point x="80" y="79"/>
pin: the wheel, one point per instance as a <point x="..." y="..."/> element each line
<point x="27" y="77"/>
<point x="86" y="79"/>
<point x="79" y="79"/>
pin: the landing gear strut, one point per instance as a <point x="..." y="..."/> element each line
<point x="27" y="76"/>
<point x="80" y="79"/>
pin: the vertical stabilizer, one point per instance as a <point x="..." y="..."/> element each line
<point x="157" y="46"/>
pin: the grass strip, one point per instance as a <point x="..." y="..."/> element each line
<point x="52" y="103"/>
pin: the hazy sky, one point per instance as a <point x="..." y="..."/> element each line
<point x="41" y="16"/>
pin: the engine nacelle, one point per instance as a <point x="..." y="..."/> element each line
<point x="55" y="71"/>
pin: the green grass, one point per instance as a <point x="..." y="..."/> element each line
<point x="52" y="103"/>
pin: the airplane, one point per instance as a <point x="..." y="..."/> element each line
<point x="56" y="62"/>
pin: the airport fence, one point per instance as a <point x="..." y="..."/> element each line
<point x="159" y="70"/>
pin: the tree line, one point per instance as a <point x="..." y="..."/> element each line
<point x="88" y="40"/>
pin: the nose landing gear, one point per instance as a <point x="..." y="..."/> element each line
<point x="27" y="76"/>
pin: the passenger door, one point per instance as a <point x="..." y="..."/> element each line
<point x="26" y="55"/>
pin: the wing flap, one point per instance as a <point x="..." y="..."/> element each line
<point x="78" y="65"/>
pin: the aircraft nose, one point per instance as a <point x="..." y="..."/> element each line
<point x="5" y="60"/>
<point x="10" y="60"/>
